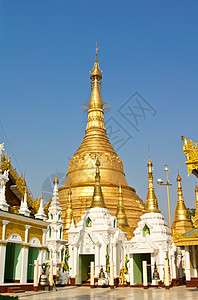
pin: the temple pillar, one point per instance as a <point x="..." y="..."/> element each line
<point x="187" y="263"/>
<point x="97" y="260"/>
<point x="45" y="236"/>
<point x="5" y="222"/>
<point x="27" y="227"/>
<point x="24" y="264"/>
<point x="2" y="260"/>
<point x="115" y="260"/>
<point x="194" y="261"/>
<point x="131" y="271"/>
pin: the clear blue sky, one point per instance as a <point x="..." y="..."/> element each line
<point x="47" y="50"/>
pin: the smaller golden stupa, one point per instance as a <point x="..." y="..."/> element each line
<point x="121" y="216"/>
<point x="181" y="222"/>
<point x="69" y="211"/>
<point x="151" y="204"/>
<point x="98" y="199"/>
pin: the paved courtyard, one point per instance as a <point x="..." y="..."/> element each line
<point x="85" y="293"/>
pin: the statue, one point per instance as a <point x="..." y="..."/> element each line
<point x="126" y="270"/>
<point x="122" y="278"/>
<point x="66" y="259"/>
<point x="102" y="280"/>
<point x="101" y="274"/>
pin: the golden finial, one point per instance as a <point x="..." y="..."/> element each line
<point x="151" y="199"/>
<point x="97" y="199"/>
<point x="56" y="179"/>
<point x="97" y="48"/>
<point x="181" y="221"/>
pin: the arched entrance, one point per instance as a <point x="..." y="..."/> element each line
<point x="32" y="255"/>
<point x="84" y="267"/>
<point x="13" y="263"/>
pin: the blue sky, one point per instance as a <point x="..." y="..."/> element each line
<point x="47" y="50"/>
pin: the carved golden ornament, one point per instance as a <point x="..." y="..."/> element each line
<point x="190" y="150"/>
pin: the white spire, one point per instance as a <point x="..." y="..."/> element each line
<point x="24" y="210"/>
<point x="3" y="179"/>
<point x="40" y="214"/>
<point x="72" y="223"/>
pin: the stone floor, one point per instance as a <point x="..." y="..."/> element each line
<point x="85" y="293"/>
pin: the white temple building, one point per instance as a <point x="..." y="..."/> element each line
<point x="152" y="242"/>
<point x="95" y="238"/>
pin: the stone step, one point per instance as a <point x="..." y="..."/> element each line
<point x="15" y="290"/>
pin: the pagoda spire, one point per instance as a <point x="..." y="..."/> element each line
<point x="196" y="200"/>
<point x="24" y="210"/>
<point x="69" y="211"/>
<point x="97" y="199"/>
<point x="41" y="214"/>
<point x="195" y="218"/>
<point x="181" y="221"/>
<point x="121" y="215"/>
<point x="95" y="111"/>
<point x="151" y="199"/>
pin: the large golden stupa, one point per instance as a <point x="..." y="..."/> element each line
<point x="81" y="172"/>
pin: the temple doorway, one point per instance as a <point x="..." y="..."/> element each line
<point x="12" y="263"/>
<point x="84" y="268"/>
<point x="137" y="267"/>
<point x="32" y="255"/>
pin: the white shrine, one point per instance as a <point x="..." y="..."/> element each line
<point x="55" y="242"/>
<point x="152" y="242"/>
<point x="96" y="238"/>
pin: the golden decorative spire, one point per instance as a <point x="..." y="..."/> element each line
<point x="196" y="200"/>
<point x="98" y="199"/>
<point x="151" y="200"/>
<point x="195" y="218"/>
<point x="69" y="211"/>
<point x="181" y="221"/>
<point x="121" y="215"/>
<point x="56" y="179"/>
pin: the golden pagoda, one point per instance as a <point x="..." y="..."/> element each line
<point x="81" y="171"/>
<point x="181" y="223"/>
<point x="151" y="200"/>
<point x="121" y="216"/>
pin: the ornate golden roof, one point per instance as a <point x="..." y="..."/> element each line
<point x="81" y="171"/>
<point x="20" y="185"/>
<point x="151" y="200"/>
<point x="190" y="149"/>
<point x="181" y="221"/>
<point x="98" y="199"/>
